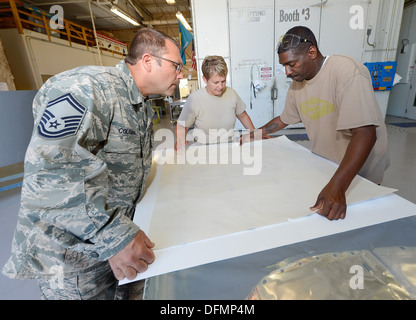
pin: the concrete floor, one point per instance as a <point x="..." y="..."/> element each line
<point x="401" y="175"/>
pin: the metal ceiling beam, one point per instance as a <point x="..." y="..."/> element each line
<point x="154" y="13"/>
<point x="141" y="9"/>
<point x="161" y="22"/>
<point x="106" y="6"/>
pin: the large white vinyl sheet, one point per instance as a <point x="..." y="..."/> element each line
<point x="264" y="183"/>
<point x="200" y="201"/>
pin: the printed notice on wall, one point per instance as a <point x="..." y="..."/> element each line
<point x="266" y="73"/>
<point x="252" y="16"/>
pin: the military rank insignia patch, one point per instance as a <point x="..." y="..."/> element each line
<point x="61" y="118"/>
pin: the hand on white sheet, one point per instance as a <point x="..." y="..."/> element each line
<point x="134" y="258"/>
<point x="254" y="135"/>
<point x="331" y="203"/>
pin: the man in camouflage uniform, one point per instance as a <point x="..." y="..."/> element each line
<point x="85" y="170"/>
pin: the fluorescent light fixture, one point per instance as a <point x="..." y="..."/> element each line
<point x="121" y="14"/>
<point x="185" y="23"/>
<point x="171" y="1"/>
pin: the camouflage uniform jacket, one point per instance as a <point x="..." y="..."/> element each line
<point x="85" y="170"/>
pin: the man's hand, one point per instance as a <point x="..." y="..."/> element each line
<point x="331" y="203"/>
<point x="134" y="258"/>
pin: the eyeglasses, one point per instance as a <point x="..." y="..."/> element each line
<point x="291" y="41"/>
<point x="178" y="66"/>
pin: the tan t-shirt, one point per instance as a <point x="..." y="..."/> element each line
<point x="339" y="98"/>
<point x="213" y="117"/>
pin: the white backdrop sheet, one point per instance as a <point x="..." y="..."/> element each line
<point x="186" y="204"/>
<point x="200" y="201"/>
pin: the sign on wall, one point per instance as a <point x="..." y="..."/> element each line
<point x="111" y="44"/>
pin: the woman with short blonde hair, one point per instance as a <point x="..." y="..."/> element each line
<point x="212" y="110"/>
<point x="214" y="65"/>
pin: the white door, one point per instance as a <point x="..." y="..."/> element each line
<point x="411" y="77"/>
<point x="402" y="97"/>
<point x="255" y="29"/>
<point x="343" y="28"/>
<point x="252" y="46"/>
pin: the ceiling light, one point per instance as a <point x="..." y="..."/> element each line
<point x="124" y="16"/>
<point x="171" y="1"/>
<point x="183" y="20"/>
